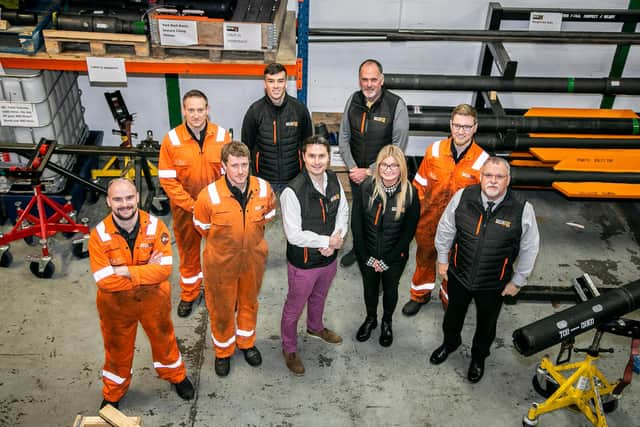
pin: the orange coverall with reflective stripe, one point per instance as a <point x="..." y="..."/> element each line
<point x="184" y="170"/>
<point x="123" y="302"/>
<point x="234" y="258"/>
<point x="437" y="180"/>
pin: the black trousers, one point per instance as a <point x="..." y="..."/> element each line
<point x="488" y="305"/>
<point x="371" y="283"/>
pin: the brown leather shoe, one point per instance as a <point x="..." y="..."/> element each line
<point x="294" y="363"/>
<point x="326" y="335"/>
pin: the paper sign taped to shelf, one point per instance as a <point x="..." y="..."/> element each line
<point x="545" y="21"/>
<point x="175" y="32"/>
<point x="18" y="114"/>
<point x="242" y="36"/>
<point x="106" y="70"/>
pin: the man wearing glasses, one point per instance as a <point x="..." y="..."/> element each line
<point x="448" y="165"/>
<point x="487" y="243"/>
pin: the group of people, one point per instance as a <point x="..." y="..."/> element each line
<point x="470" y="229"/>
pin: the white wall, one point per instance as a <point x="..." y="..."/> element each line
<point x="333" y="66"/>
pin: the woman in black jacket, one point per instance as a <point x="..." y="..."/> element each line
<point x="384" y="221"/>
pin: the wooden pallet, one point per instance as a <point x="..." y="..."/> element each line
<point x="96" y="44"/>
<point x="213" y="54"/>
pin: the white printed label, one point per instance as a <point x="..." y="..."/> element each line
<point x="20" y="114"/>
<point x="174" y="32"/>
<point x="106" y="70"/>
<point x="242" y="36"/>
<point x="545" y="21"/>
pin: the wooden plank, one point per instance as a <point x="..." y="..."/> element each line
<point x="558" y="154"/>
<point x="287" y="47"/>
<point x="116" y="418"/>
<point x="81" y="43"/>
<point x="332" y="120"/>
<point x="88" y="35"/>
<point x="96" y="421"/>
<point x="598" y="190"/>
<point x="601" y="162"/>
<point x="4" y="25"/>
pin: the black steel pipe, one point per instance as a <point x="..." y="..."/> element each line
<point x="27" y="150"/>
<point x="545" y="177"/>
<point x="607" y="86"/>
<point x="521" y="124"/>
<point x="516" y="142"/>
<point x="576" y="320"/>
<point x="333" y="35"/>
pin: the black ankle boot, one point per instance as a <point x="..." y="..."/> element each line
<point x="364" y="332"/>
<point x="386" y="334"/>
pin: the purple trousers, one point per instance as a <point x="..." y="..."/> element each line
<point x="306" y="286"/>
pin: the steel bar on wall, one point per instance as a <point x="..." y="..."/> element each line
<point x="521" y="124"/>
<point x="332" y="35"/>
<point x="626" y="86"/>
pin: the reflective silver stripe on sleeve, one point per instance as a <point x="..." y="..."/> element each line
<point x="103" y="273"/>
<point x="213" y="193"/>
<point x="191" y="280"/>
<point x="153" y="225"/>
<point x="423" y="287"/>
<point x="202" y="225"/>
<point x="221" y="133"/>
<point x="435" y="149"/>
<point x="167" y="173"/>
<point x="480" y="161"/>
<point x="421" y="180"/>
<point x="166" y="260"/>
<point x="102" y="232"/>
<point x="263" y="187"/>
<point x="173" y="136"/>
<point x="271" y="214"/>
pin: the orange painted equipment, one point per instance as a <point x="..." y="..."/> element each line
<point x="123" y="302"/>
<point x="598" y="190"/>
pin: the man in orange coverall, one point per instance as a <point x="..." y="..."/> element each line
<point x="448" y="165"/>
<point x="231" y="214"/>
<point x="189" y="161"/>
<point x="130" y="256"/>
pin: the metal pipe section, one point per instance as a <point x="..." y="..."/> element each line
<point x="576" y="320"/>
<point x="545" y="177"/>
<point x="521" y="124"/>
<point x="27" y="150"/>
<point x="506" y="142"/>
<point x="333" y="35"/>
<point x="607" y="86"/>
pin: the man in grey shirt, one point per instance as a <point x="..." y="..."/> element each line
<point x="373" y="117"/>
<point x="487" y="242"/>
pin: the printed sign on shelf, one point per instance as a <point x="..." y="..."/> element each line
<point x="106" y="70"/>
<point x="242" y="36"/>
<point x="174" y="32"/>
<point x="545" y="21"/>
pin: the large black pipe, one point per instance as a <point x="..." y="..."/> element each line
<point x="517" y="142"/>
<point x="544" y="177"/>
<point x="521" y="124"/>
<point x="519" y="84"/>
<point x="333" y="35"/>
<point x="576" y="320"/>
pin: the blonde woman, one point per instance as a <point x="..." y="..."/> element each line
<point x="384" y="221"/>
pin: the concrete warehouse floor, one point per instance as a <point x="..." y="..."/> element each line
<point x="51" y="351"/>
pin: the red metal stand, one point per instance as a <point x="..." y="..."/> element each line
<point x="29" y="224"/>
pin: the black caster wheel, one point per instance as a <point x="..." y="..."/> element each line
<point x="163" y="210"/>
<point x="6" y="259"/>
<point x="92" y="197"/>
<point x="30" y="240"/>
<point x="77" y="251"/>
<point x="48" y="271"/>
<point x="545" y="390"/>
<point x="610" y="405"/>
